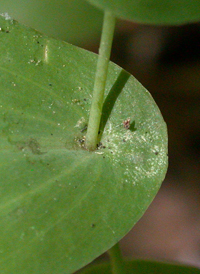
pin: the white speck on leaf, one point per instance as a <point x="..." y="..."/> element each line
<point x="46" y="54"/>
<point x="6" y="16"/>
<point x="80" y="121"/>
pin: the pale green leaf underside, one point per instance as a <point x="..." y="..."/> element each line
<point x="143" y="267"/>
<point x="62" y="206"/>
<point x="167" y="12"/>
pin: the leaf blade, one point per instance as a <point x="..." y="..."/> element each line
<point x="142" y="267"/>
<point x="62" y="206"/>
<point x="167" y="12"/>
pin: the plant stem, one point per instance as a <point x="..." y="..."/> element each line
<point x="116" y="258"/>
<point x="100" y="80"/>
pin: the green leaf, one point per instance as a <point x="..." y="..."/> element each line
<point x="153" y="11"/>
<point x="57" y="18"/>
<point x="61" y="205"/>
<point x="143" y="267"/>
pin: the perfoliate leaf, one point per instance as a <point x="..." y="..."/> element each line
<point x="162" y="12"/>
<point x="57" y="18"/>
<point x="143" y="267"/>
<point x="61" y="205"/>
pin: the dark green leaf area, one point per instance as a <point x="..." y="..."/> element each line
<point x="61" y="205"/>
<point x="143" y="267"/>
<point x="167" y="12"/>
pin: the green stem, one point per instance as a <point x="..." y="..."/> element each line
<point x="117" y="262"/>
<point x="100" y="81"/>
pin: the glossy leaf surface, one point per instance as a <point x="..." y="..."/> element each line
<point x="61" y="205"/>
<point x="143" y="267"/>
<point x="153" y="11"/>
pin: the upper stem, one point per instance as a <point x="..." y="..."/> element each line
<point x="100" y="81"/>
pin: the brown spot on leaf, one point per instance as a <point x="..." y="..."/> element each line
<point x="126" y="123"/>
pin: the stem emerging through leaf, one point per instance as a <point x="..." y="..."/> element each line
<point x="100" y="81"/>
<point x="117" y="262"/>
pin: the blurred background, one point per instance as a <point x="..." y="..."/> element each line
<point x="166" y="60"/>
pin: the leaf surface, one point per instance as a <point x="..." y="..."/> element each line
<point x="165" y="12"/>
<point x="61" y="205"/>
<point x="143" y="267"/>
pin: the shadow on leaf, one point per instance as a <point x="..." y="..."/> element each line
<point x="112" y="98"/>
